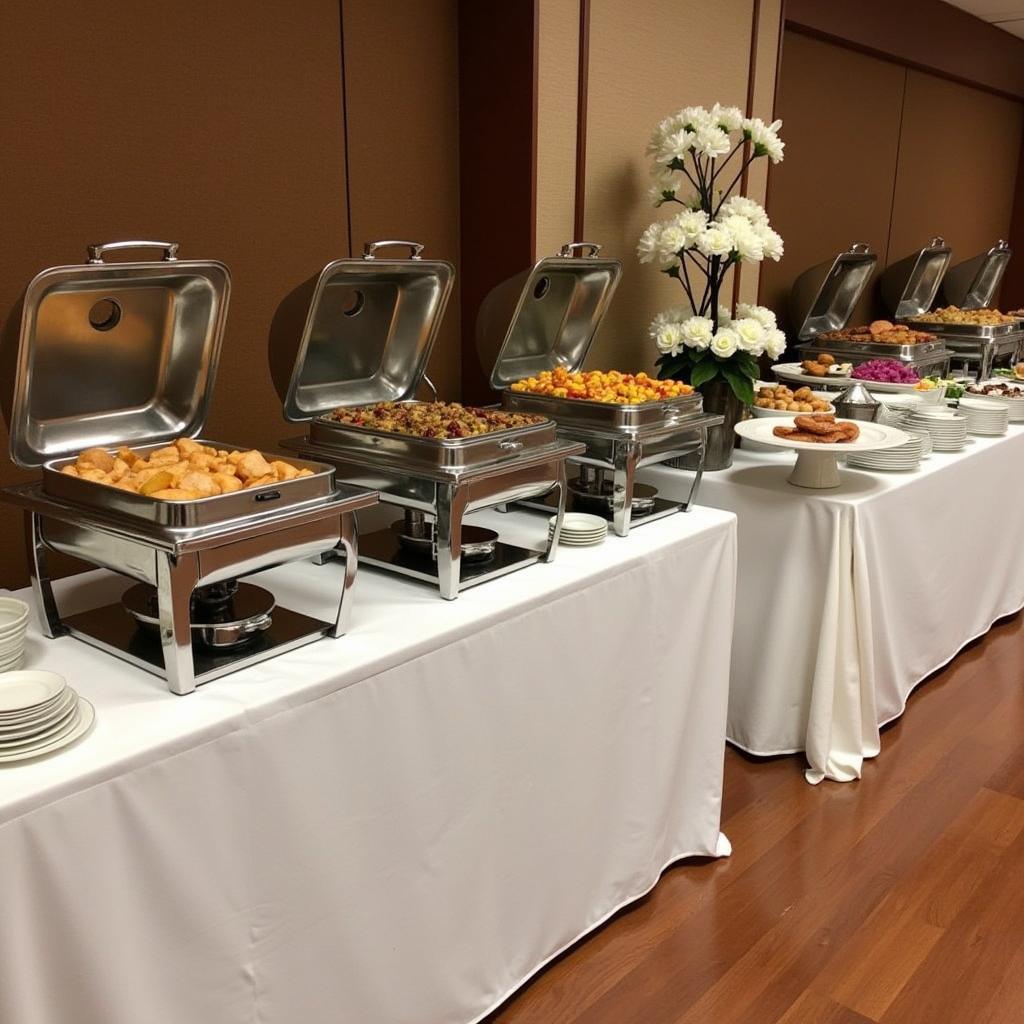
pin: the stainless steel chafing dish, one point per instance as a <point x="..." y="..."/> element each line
<point x="973" y="285"/>
<point x="546" y="318"/>
<point x="126" y="354"/>
<point x="839" y="287"/>
<point x="364" y="334"/>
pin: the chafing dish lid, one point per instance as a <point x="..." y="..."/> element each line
<point x="823" y="298"/>
<point x="116" y="353"/>
<point x="369" y="329"/>
<point x="973" y="284"/>
<point x="910" y="285"/>
<point x="556" y="308"/>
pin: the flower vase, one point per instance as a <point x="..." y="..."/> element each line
<point x="720" y="399"/>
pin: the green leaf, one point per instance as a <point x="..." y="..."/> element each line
<point x="699" y="355"/>
<point x="705" y="372"/>
<point x="742" y="385"/>
<point x="747" y="364"/>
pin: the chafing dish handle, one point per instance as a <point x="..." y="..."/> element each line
<point x="370" y="248"/>
<point x="576" y="249"/>
<point x="96" y="251"/>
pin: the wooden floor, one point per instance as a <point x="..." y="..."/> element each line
<point x="898" y="899"/>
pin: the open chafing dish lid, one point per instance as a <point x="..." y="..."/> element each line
<point x="910" y="285"/>
<point x="115" y="353"/>
<point x="546" y="316"/>
<point x="973" y="284"/>
<point x="360" y="332"/>
<point x="823" y="298"/>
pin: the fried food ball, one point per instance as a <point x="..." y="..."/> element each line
<point x="227" y="482"/>
<point x="96" y="458"/>
<point x="252" y="465"/>
<point x="202" y="483"/>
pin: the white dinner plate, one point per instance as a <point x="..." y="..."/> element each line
<point x="42" y="737"/>
<point x="83" y="723"/>
<point x="873" y="436"/>
<point x="51" y="713"/>
<point x="23" y="691"/>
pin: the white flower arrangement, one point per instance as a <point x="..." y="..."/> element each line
<point x="714" y="230"/>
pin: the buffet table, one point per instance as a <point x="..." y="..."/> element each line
<point x="395" y="827"/>
<point x="848" y="598"/>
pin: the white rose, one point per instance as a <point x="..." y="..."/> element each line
<point x="698" y="332"/>
<point x="744" y="207"/>
<point x="648" y="246"/>
<point x="725" y="343"/>
<point x="762" y="314"/>
<point x="668" y="316"/>
<point x="675" y="146"/>
<point x="775" y="343"/>
<point x="747" y="242"/>
<point x="771" y="244"/>
<point x="715" y="241"/>
<point x="729" y="119"/>
<point x="670" y="339"/>
<point x="751" y="334"/>
<point x="711" y="141"/>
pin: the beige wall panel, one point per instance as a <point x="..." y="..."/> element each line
<point x="401" y="75"/>
<point x="841" y="115"/>
<point x="766" y="55"/>
<point x="557" y="86"/>
<point x="219" y="130"/>
<point x="962" y="189"/>
<point x="647" y="59"/>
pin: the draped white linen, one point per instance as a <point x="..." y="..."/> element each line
<point x="848" y="598"/>
<point x="397" y="827"/>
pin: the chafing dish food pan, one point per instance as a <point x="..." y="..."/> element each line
<point x="546" y="318"/>
<point x="125" y="354"/>
<point x="365" y="338"/>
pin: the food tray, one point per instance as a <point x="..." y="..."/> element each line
<point x="975" y="332"/>
<point x="432" y="453"/>
<point x="220" y="508"/>
<point x="905" y="353"/>
<point x="571" y="412"/>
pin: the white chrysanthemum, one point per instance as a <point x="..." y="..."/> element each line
<point x="664" y="184"/>
<point x="775" y="343"/>
<point x="765" y="138"/>
<point x="746" y="241"/>
<point x="673" y="240"/>
<point x="692" y="223"/>
<point x="751" y="333"/>
<point x="711" y="141"/>
<point x="744" y="207"/>
<point x="715" y="241"/>
<point x="771" y="244"/>
<point x="667" y="316"/>
<point x="647" y="249"/>
<point x="697" y="332"/>
<point x="724" y="316"/>
<point x="762" y="314"/>
<point x="725" y="343"/>
<point x="675" y="146"/>
<point x="694" y="117"/>
<point x="669" y="339"/>
<point x="730" y="119"/>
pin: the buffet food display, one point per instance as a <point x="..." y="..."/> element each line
<point x="361" y="345"/>
<point x="878" y="332"/>
<point x="978" y="338"/>
<point x="185" y="519"/>
<point x="541" y="326"/>
<point x="820" y="429"/>
<point x="825" y="364"/>
<point x="886" y="371"/>
<point x="955" y="315"/>
<point x="784" y="399"/>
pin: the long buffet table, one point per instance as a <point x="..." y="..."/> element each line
<point x="396" y="827"/>
<point x="849" y="598"/>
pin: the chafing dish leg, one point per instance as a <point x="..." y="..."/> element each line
<point x="622" y="488"/>
<point x="560" y="490"/>
<point x="695" y="483"/>
<point x="448" y="538"/>
<point x="49" y="614"/>
<point x="349" y="545"/>
<point x="176" y="578"/>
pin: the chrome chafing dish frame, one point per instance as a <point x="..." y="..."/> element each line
<point x="977" y="345"/>
<point x="617" y="439"/>
<point x="929" y="357"/>
<point x="176" y="547"/>
<point x="443" y="478"/>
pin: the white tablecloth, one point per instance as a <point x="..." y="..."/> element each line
<point x="848" y="598"/>
<point x="398" y="826"/>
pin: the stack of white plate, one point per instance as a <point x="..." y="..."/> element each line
<point x="13" y="624"/>
<point x="580" y="529"/>
<point x="986" y="419"/>
<point x="947" y="427"/>
<point x="39" y="715"/>
<point x="892" y="460"/>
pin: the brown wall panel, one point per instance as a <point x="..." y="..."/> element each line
<point x="401" y="78"/>
<point x="841" y="114"/>
<point x="207" y="124"/>
<point x="962" y="190"/>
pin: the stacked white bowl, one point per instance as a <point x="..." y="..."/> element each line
<point x="580" y="529"/>
<point x="13" y="625"/>
<point x="39" y="715"/>
<point x="947" y="427"/>
<point x="986" y="419"/>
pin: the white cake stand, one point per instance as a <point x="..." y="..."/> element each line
<point x="816" y="466"/>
